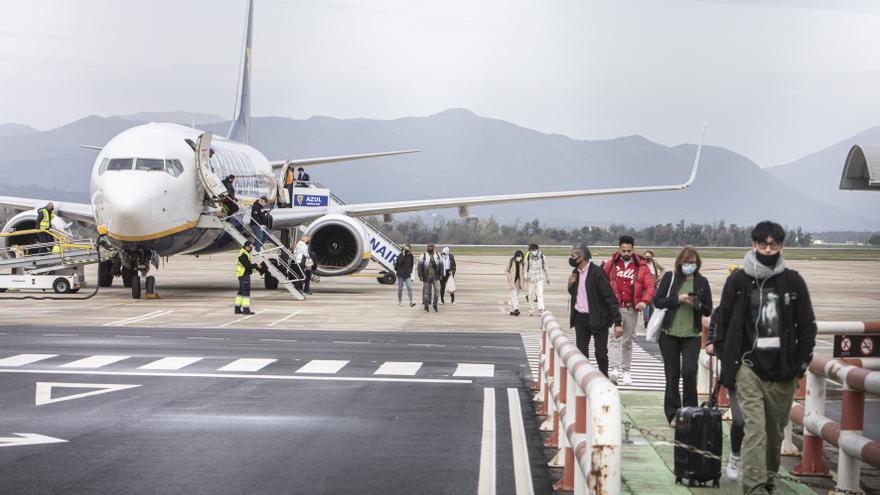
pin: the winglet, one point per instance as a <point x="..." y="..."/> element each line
<point x="91" y="147"/>
<point x="693" y="176"/>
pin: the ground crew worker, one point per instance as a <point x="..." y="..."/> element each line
<point x="244" y="266"/>
<point x="45" y="215"/>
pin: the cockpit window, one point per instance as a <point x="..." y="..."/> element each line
<point x="150" y="164"/>
<point x="120" y="164"/>
<point x="173" y="167"/>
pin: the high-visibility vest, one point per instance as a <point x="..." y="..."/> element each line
<point x="289" y="179"/>
<point x="239" y="268"/>
<point x="46" y="222"/>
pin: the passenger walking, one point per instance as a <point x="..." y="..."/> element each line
<point x="657" y="270"/>
<point x="765" y="338"/>
<point x="447" y="271"/>
<point x="45" y="215"/>
<point x="536" y="270"/>
<point x="516" y="280"/>
<point x="244" y="266"/>
<point x="686" y="296"/>
<point x="229" y="184"/>
<point x="302" y="178"/>
<point x="302" y="258"/>
<point x="259" y="221"/>
<point x="289" y="181"/>
<point x="429" y="273"/>
<point x="634" y="287"/>
<point x="593" y="306"/>
<point x="403" y="267"/>
<point x="737" y="426"/>
<point x="228" y="202"/>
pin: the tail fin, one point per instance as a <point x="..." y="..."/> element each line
<point x="240" y="129"/>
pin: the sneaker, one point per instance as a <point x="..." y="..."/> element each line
<point x="614" y="376"/>
<point x="426" y="308"/>
<point x="435" y="308"/>
<point x="399" y="303"/>
<point x="540" y="311"/>
<point x="412" y="304"/>
<point x="530" y="313"/>
<point x="512" y="313"/>
<point x="516" y="313"/>
<point x="733" y="463"/>
<point x="627" y="378"/>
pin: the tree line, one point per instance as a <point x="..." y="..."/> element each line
<point x="489" y="231"/>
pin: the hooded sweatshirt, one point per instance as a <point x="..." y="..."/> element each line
<point x="763" y="330"/>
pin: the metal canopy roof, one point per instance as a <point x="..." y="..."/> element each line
<point x="862" y="169"/>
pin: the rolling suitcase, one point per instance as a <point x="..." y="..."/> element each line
<point x="699" y="427"/>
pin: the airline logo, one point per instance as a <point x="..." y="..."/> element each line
<point x="383" y="250"/>
<point x="310" y="200"/>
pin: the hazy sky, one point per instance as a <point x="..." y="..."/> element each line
<point x="774" y="79"/>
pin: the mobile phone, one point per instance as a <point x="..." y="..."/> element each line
<point x="692" y="294"/>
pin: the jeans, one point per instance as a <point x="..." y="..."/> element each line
<point x="680" y="360"/>
<point x="259" y="235"/>
<point x="400" y="283"/>
<point x="583" y="333"/>
<point x="765" y="407"/>
<point x="622" y="347"/>
<point x="536" y="289"/>
<point x="431" y="292"/>
<point x="306" y="283"/>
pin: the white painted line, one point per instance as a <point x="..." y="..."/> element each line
<point x="328" y="366"/>
<point x="60" y="335"/>
<point x="282" y="320"/>
<point x="170" y="363"/>
<point x="475" y="370"/>
<point x="427" y="345"/>
<point x="136" y="319"/>
<point x="247" y="377"/>
<point x="28" y="439"/>
<point x="237" y="320"/>
<point x="351" y="342"/>
<point x="163" y="313"/>
<point x="23" y="359"/>
<point x="277" y="340"/>
<point x="44" y="391"/>
<point x="522" y="472"/>
<point x="486" y="484"/>
<point x="247" y="364"/>
<point x="403" y="368"/>
<point x="94" y="361"/>
<point x="132" y="336"/>
<point x="205" y="338"/>
<point x="126" y="320"/>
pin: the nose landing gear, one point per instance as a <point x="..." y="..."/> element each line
<point x="134" y="275"/>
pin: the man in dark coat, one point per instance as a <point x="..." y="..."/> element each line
<point x="403" y="268"/>
<point x="594" y="307"/>
<point x="765" y="338"/>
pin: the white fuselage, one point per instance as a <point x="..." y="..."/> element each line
<point x="146" y="191"/>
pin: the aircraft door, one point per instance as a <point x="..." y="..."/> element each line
<point x="212" y="184"/>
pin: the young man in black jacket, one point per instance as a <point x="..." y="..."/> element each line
<point x="259" y="221"/>
<point x="403" y="267"/>
<point x="594" y="307"/>
<point x="765" y="338"/>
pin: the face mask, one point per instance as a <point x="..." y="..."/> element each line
<point x="534" y="253"/>
<point x="768" y="260"/>
<point x="573" y="262"/>
<point x="406" y="251"/>
<point x="430" y="251"/>
<point x="649" y="259"/>
<point x="518" y="259"/>
<point x="626" y="257"/>
<point x="688" y="268"/>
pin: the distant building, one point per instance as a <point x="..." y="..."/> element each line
<point x="861" y="171"/>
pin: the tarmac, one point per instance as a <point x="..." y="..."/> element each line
<point x="336" y="430"/>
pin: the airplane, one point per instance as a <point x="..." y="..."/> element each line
<point x="148" y="196"/>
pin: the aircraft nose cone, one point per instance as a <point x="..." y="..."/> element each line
<point x="127" y="213"/>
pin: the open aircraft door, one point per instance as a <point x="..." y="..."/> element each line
<point x="214" y="188"/>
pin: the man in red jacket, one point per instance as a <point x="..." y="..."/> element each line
<point x="634" y="287"/>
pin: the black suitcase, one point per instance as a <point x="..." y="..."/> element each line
<point x="699" y="427"/>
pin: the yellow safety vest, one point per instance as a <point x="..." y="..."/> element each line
<point x="46" y="222"/>
<point x="239" y="268"/>
<point x="289" y="179"/>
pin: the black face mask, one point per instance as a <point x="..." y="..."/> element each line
<point x="430" y="251"/>
<point x="573" y="262"/>
<point x="626" y="258"/>
<point x="768" y="260"/>
<point x="406" y="251"/>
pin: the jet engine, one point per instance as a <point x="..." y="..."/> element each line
<point x="26" y="220"/>
<point x="339" y="245"/>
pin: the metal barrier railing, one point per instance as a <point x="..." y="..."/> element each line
<point x="584" y="406"/>
<point x="853" y="447"/>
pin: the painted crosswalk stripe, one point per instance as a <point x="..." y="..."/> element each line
<point x="475" y="370"/>
<point x="23" y="359"/>
<point x="400" y="368"/>
<point x="94" y="361"/>
<point x="170" y="363"/>
<point x="522" y="472"/>
<point x="247" y="364"/>
<point x="486" y="482"/>
<point x="328" y="366"/>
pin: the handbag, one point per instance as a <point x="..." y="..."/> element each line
<point x="450" y="285"/>
<point x="656" y="322"/>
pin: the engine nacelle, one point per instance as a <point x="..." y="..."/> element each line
<point x="339" y="245"/>
<point x="26" y="220"/>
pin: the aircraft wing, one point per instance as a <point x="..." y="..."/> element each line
<point x="303" y="162"/>
<point x="389" y="207"/>
<point x="70" y="211"/>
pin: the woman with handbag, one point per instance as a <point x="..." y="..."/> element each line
<point x="685" y="298"/>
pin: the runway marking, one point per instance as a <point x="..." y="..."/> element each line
<point x="132" y="336"/>
<point x="350" y="342"/>
<point x="43" y="393"/>
<point x="282" y="320"/>
<point x="475" y="370"/>
<point x="135" y="319"/>
<point x="94" y="361"/>
<point x="277" y="340"/>
<point x="205" y="338"/>
<point x="522" y="472"/>
<point x="398" y="368"/>
<point x="427" y="345"/>
<point x="23" y="359"/>
<point x="238" y="320"/>
<point x="329" y="366"/>
<point x="60" y="335"/>
<point x="486" y="483"/>
<point x="247" y="377"/>
<point x="170" y="363"/>
<point x="247" y="364"/>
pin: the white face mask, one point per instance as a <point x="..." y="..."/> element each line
<point x="518" y="259"/>
<point x="688" y="268"/>
<point x="534" y="253"/>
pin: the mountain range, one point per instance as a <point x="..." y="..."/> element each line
<point x="467" y="154"/>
